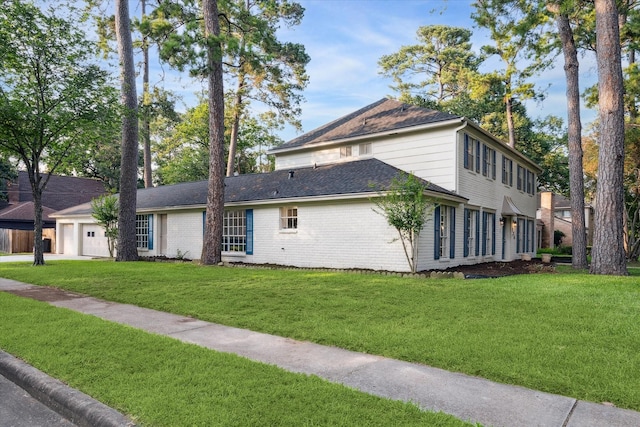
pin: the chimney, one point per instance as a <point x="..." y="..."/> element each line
<point x="13" y="192"/>
<point x="547" y="216"/>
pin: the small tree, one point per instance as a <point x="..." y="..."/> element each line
<point x="105" y="211"/>
<point x="405" y="207"/>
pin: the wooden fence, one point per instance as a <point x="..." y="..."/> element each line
<point x="20" y="241"/>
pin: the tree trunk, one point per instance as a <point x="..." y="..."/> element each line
<point x="146" y="130"/>
<point x="576" y="178"/>
<point x="127" y="249"/>
<point x="511" y="127"/>
<point x="608" y="256"/>
<point x="233" y="140"/>
<point x="212" y="244"/>
<point x="36" y="191"/>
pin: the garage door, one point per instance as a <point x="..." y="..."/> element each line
<point x="94" y="242"/>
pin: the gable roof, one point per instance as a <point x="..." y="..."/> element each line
<point x="356" y="178"/>
<point x="61" y="191"/>
<point x="21" y="216"/>
<point x="385" y="115"/>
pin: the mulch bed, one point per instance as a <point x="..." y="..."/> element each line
<point x="500" y="269"/>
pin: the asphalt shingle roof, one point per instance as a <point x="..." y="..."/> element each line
<point x="384" y="115"/>
<point x="350" y="178"/>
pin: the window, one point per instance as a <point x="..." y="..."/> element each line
<point x="530" y="232"/>
<point x="488" y="162"/>
<point x="144" y="231"/>
<point x="507" y="171"/>
<point x="488" y="233"/>
<point x="234" y="231"/>
<point x="521" y="236"/>
<point x="471" y="153"/>
<point x="526" y="180"/>
<point x="364" y="149"/>
<point x="531" y="183"/>
<point x="444" y="232"/>
<point x="288" y="218"/>
<point x="471" y="231"/>
<point x="345" y="152"/>
<point x="520" y="178"/>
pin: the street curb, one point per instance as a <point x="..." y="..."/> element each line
<point x="72" y="404"/>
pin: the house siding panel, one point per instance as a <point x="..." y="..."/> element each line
<point x="328" y="235"/>
<point x="488" y="194"/>
<point x="184" y="233"/>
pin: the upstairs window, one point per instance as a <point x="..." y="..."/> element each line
<point x="520" y="178"/>
<point x="471" y="153"/>
<point x="345" y="152"/>
<point x="364" y="149"/>
<point x="507" y="171"/>
<point x="488" y="162"/>
<point x="289" y="218"/>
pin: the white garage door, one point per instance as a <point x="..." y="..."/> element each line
<point x="94" y="242"/>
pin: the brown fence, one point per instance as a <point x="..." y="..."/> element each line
<point x="20" y="241"/>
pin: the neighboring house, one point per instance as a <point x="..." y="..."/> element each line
<point x="17" y="212"/>
<point x="315" y="210"/>
<point x="554" y="213"/>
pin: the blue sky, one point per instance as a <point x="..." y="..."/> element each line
<point x="345" y="39"/>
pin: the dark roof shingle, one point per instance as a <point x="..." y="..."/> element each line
<point x="350" y="178"/>
<point x="384" y="115"/>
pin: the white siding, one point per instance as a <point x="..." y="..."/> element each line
<point x="487" y="194"/>
<point x="342" y="235"/>
<point x="431" y="155"/>
<point x="184" y="233"/>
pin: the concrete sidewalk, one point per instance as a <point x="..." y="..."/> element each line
<point x="468" y="398"/>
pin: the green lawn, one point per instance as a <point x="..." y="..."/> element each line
<point x="571" y="334"/>
<point x="160" y="381"/>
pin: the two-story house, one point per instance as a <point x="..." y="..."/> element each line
<point x="316" y="209"/>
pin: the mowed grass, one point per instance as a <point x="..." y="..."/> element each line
<point x="572" y="334"/>
<point x="159" y="381"/>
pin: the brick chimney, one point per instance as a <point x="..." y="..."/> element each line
<point x="547" y="216"/>
<point x="13" y="191"/>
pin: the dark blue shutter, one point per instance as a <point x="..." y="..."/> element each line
<point x="249" y="231"/>
<point x="436" y="233"/>
<point x="466" y="231"/>
<point x="484" y="233"/>
<point x="511" y="173"/>
<point x="204" y="221"/>
<point x="477" y="156"/>
<point x="493" y="231"/>
<point x="477" y="233"/>
<point x="452" y="232"/>
<point x="493" y="166"/>
<point x="150" y="231"/>
<point x="466" y="151"/>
